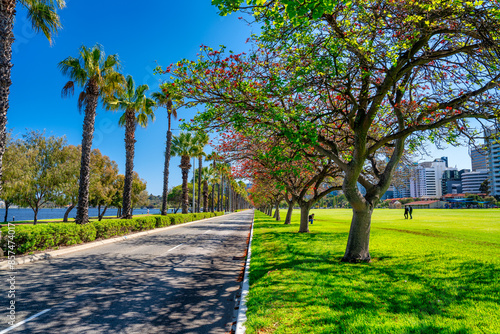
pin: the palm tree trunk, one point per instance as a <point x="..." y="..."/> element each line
<point x="205" y="196"/>
<point x="200" y="162"/>
<point x="164" y="205"/>
<point x="213" y="191"/>
<point x="185" y="166"/>
<point x="82" y="211"/>
<point x="129" y="163"/>
<point x="7" y="15"/>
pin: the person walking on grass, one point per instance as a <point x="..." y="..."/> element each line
<point x="311" y="219"/>
<point x="410" y="211"/>
<point x="406" y="212"/>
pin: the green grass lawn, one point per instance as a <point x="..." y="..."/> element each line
<point x="436" y="273"/>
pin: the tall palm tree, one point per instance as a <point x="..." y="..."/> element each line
<point x="205" y="179"/>
<point x="163" y="99"/>
<point x="202" y="140"/>
<point x="98" y="76"/>
<point x="138" y="109"/>
<point x="43" y="16"/>
<point x="185" y="146"/>
<point x="215" y="178"/>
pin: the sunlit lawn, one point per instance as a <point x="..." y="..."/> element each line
<point x="436" y="273"/>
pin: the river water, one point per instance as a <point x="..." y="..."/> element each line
<point x="22" y="214"/>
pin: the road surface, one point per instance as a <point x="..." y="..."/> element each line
<point x="182" y="280"/>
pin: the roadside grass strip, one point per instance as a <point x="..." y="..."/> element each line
<point x="436" y="273"/>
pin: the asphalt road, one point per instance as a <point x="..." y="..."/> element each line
<point x="183" y="280"/>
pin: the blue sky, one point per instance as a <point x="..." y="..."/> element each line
<point x="141" y="33"/>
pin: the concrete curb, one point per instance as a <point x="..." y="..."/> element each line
<point x="242" y="311"/>
<point x="52" y="254"/>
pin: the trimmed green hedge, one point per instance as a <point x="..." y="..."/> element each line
<point x="30" y="238"/>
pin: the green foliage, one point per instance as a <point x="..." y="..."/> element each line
<point x="434" y="274"/>
<point x="31" y="238"/>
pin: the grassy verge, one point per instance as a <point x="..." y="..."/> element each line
<point x="437" y="273"/>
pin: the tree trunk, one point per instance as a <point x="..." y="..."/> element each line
<point x="164" y="205"/>
<point x="304" y="217"/>
<point x="35" y="218"/>
<point x="359" y="237"/>
<point x="185" y="166"/>
<point x="278" y="216"/>
<point x="205" y="196"/>
<point x="82" y="211"/>
<point x="129" y="163"/>
<point x="103" y="213"/>
<point x="7" y="15"/>
<point x="221" y="193"/>
<point x="200" y="162"/>
<point x="98" y="210"/>
<point x="7" y="204"/>
<point x="288" y="219"/>
<point x="66" y="214"/>
<point x="213" y="190"/>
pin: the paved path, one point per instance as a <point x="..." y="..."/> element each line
<point x="182" y="280"/>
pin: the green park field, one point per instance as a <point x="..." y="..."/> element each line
<point x="436" y="273"/>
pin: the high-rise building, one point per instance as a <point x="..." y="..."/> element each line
<point x="451" y="182"/>
<point x="471" y="181"/>
<point x="493" y="143"/>
<point x="479" y="157"/>
<point x="425" y="181"/>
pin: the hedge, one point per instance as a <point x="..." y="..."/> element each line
<point x="30" y="238"/>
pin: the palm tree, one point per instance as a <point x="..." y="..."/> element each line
<point x="185" y="146"/>
<point x="207" y="176"/>
<point x="98" y="76"/>
<point x="202" y="140"/>
<point x="163" y="99"/>
<point x="44" y="18"/>
<point x="215" y="177"/>
<point x="138" y="109"/>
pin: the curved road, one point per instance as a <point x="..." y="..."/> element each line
<point x="181" y="280"/>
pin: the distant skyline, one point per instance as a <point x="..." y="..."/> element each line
<point x="155" y="32"/>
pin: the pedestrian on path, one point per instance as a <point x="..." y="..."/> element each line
<point x="406" y="212"/>
<point x="410" y="211"/>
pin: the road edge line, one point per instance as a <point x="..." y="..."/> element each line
<point x="242" y="311"/>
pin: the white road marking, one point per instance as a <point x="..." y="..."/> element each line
<point x="171" y="249"/>
<point x="25" y="321"/>
<point x="207" y="231"/>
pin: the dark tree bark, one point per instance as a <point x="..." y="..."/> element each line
<point x="200" y="162"/>
<point x="82" y="211"/>
<point x="66" y="213"/>
<point x="205" y="196"/>
<point x="213" y="190"/>
<point x="7" y="16"/>
<point x="103" y="213"/>
<point x="129" y="163"/>
<point x="7" y="205"/>
<point x="164" y="205"/>
<point x="185" y="166"/>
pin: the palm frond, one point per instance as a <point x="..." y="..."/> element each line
<point x="82" y="101"/>
<point x="68" y="89"/>
<point x="43" y="16"/>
